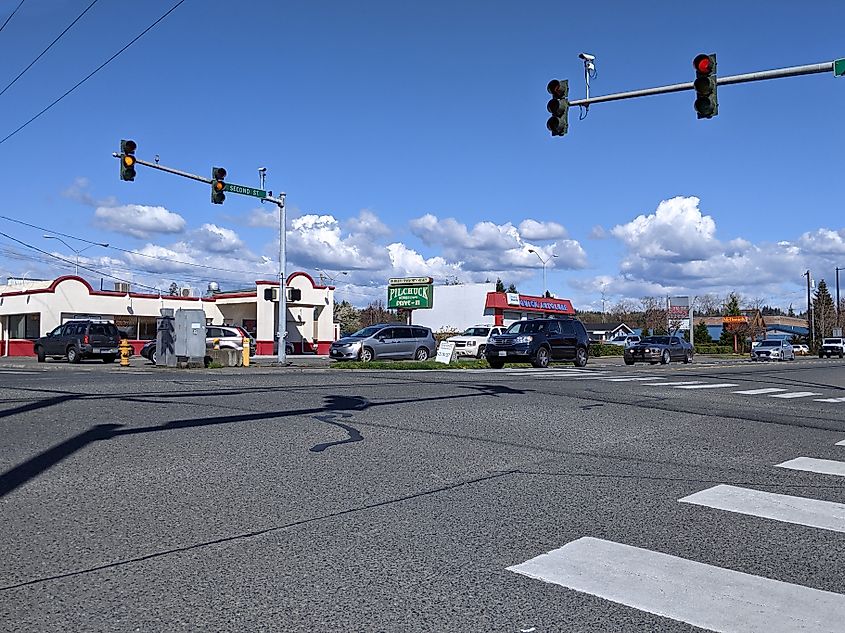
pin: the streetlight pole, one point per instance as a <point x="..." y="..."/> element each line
<point x="838" y="308"/>
<point x="76" y="252"/>
<point x="544" y="262"/>
<point x="810" y="312"/>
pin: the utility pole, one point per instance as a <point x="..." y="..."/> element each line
<point x="838" y="307"/>
<point x="810" y="312"/>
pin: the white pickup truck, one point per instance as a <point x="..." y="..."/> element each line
<point x="832" y="347"/>
<point x="473" y="340"/>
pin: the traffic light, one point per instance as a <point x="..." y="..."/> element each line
<point x="294" y="294"/>
<point x="706" y="101"/>
<point x="558" y="107"/>
<point x="127" y="160"/>
<point x="218" y="175"/>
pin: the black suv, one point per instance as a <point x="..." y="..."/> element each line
<point x="76" y="340"/>
<point x="539" y="341"/>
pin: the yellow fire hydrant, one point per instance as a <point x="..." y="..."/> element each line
<point x="216" y="343"/>
<point x="125" y="352"/>
<point x="246" y="352"/>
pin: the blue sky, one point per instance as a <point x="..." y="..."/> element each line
<point x="411" y="140"/>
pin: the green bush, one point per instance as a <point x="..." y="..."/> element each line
<point x="597" y="350"/>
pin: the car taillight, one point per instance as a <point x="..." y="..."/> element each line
<point x="85" y="340"/>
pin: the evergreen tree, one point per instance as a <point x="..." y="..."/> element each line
<point x="512" y="288"/>
<point x="701" y="335"/>
<point x="824" y="312"/>
<point x="347" y="316"/>
<point x="644" y="333"/>
<point x="790" y="312"/>
<point x="500" y="287"/>
<point x="732" y="305"/>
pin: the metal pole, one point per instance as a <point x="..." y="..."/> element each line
<point x="545" y="290"/>
<point x="283" y="306"/>
<point x="810" y="311"/>
<point x="169" y="170"/>
<point x="838" y="315"/>
<point x="792" y="71"/>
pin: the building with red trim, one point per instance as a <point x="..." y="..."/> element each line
<point x="31" y="310"/>
<point x="508" y="307"/>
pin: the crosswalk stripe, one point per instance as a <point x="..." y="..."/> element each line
<point x="674" y="383"/>
<point x="813" y="465"/>
<point x="825" y="515"/>
<point x="698" y="594"/>
<point x="755" y="392"/>
<point x="795" y="394"/>
<point x="632" y="378"/>
<point x="715" y="385"/>
<point x="829" y="399"/>
<point x="840" y="443"/>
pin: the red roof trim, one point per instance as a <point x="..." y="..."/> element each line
<point x="499" y="301"/>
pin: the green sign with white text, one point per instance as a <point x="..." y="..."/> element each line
<point x="410" y="297"/>
<point x="839" y="67"/>
<point x="244" y="191"/>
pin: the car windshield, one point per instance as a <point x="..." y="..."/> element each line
<point x="832" y="341"/>
<point x="769" y="343"/>
<point x="527" y="327"/>
<point x="657" y="340"/>
<point x="477" y="331"/>
<point x="367" y="331"/>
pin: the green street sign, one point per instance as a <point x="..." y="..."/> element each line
<point x="244" y="191"/>
<point x="410" y="297"/>
<point x="839" y="67"/>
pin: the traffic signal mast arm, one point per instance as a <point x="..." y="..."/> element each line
<point x="792" y="71"/>
<point x="169" y="170"/>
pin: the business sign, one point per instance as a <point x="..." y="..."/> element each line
<point x="410" y="297"/>
<point x="678" y="313"/>
<point x="512" y="298"/>
<point x="735" y="319"/>
<point x="547" y="304"/>
<point x="409" y="281"/>
<point x="445" y="352"/>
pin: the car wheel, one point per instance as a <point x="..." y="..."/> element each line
<point x="581" y="357"/>
<point x="73" y="355"/>
<point x="541" y="358"/>
<point x="422" y="354"/>
<point x="496" y="364"/>
<point x="39" y="351"/>
<point x="153" y="356"/>
<point x="481" y="349"/>
<point x="841" y="354"/>
<point x="629" y="361"/>
<point x="665" y="358"/>
<point x="688" y="358"/>
<point x="367" y="355"/>
<point x="108" y="359"/>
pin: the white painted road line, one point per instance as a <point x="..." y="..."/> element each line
<point x="674" y="383"/>
<point x="842" y="443"/>
<point x="756" y="392"/>
<point x="829" y="399"/>
<point x="813" y="465"/>
<point x="705" y="596"/>
<point x="716" y="385"/>
<point x="795" y="394"/>
<point x="825" y="515"/>
<point x="632" y="379"/>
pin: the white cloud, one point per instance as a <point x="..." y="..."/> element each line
<point x="138" y="220"/>
<point x="317" y="241"/>
<point x="533" y="230"/>
<point x="264" y="218"/>
<point x="598" y="232"/>
<point x="368" y="223"/>
<point x="824" y="242"/>
<point x="210" y="237"/>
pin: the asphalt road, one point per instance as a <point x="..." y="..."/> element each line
<point x="262" y="499"/>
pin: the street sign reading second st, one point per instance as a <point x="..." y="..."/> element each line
<point x="244" y="191"/>
<point x="839" y="67"/>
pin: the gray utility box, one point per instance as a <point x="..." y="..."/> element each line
<point x="180" y="338"/>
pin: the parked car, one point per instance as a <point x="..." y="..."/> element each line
<point x="624" y="340"/>
<point x="228" y="336"/>
<point x="539" y="341"/>
<point x="832" y="347"/>
<point x="149" y="351"/>
<point x="77" y="340"/>
<point x="473" y="341"/>
<point x="659" y="349"/>
<point x="388" y="340"/>
<point x="773" y="349"/>
<point x="800" y="349"/>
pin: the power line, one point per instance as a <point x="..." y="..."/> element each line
<point x="131" y="252"/>
<point x="49" y="47"/>
<point x="13" y="13"/>
<point x="95" y="71"/>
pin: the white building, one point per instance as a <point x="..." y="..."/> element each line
<point x="31" y="310"/>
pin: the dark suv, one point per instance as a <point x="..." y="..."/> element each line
<point x="76" y="340"/>
<point x="539" y="341"/>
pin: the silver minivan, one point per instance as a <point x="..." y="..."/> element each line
<point x="388" y="340"/>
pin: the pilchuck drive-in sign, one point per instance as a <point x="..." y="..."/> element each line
<point x="410" y="293"/>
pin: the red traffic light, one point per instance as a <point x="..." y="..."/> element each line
<point x="558" y="89"/>
<point x="703" y="64"/>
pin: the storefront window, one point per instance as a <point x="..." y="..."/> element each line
<point x="146" y="328"/>
<point x="128" y="326"/>
<point x="25" y="325"/>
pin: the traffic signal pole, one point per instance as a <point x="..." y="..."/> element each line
<point x="792" y="71"/>
<point x="280" y="203"/>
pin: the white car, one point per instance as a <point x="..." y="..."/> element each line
<point x="624" y="340"/>
<point x="801" y="349"/>
<point x="473" y="340"/>
<point x="773" y="349"/>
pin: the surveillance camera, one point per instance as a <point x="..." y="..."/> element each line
<point x="587" y="57"/>
<point x="262" y="169"/>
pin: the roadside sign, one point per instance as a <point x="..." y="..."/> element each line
<point x="839" y="67"/>
<point x="244" y="191"/>
<point x="445" y="352"/>
<point x="410" y="297"/>
<point x="409" y="281"/>
<point x="837" y="332"/>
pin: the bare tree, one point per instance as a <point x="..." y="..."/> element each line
<point x="707" y="305"/>
<point x="755" y="303"/>
<point x="623" y="310"/>
<point x="654" y="313"/>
